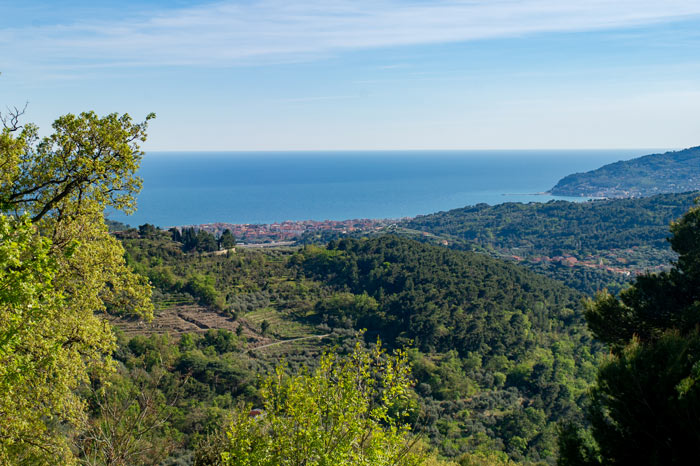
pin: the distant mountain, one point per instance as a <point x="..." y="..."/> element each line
<point x="671" y="172"/>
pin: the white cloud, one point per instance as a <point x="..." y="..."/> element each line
<point x="263" y="31"/>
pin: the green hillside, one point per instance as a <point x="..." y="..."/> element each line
<point x="587" y="245"/>
<point x="670" y="172"/>
<point x="486" y="337"/>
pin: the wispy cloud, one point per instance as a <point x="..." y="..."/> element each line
<point x="272" y="31"/>
<point x="296" y="100"/>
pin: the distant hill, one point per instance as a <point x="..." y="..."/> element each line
<point x="587" y="245"/>
<point x="671" y="172"/>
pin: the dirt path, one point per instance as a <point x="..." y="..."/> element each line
<point x="289" y="341"/>
<point x="274" y="244"/>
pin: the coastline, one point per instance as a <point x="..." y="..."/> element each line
<point x="198" y="188"/>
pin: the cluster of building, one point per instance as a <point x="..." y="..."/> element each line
<point x="595" y="262"/>
<point x="291" y="230"/>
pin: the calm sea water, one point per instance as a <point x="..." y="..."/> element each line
<point x="264" y="187"/>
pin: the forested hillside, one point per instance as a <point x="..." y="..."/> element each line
<point x="485" y="337"/>
<point x="589" y="245"/>
<point x="490" y="337"/>
<point x="670" y="172"/>
<point x="439" y="299"/>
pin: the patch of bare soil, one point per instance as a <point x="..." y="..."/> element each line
<point x="177" y="320"/>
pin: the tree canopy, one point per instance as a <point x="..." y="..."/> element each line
<point x="59" y="267"/>
<point x="645" y="405"/>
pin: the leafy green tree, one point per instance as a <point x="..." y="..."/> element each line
<point x="344" y="309"/>
<point x="342" y="413"/>
<point x="645" y="406"/>
<point x="147" y="230"/>
<point x="29" y="306"/>
<point x="206" y="242"/>
<point x="175" y="234"/>
<point x="227" y="240"/>
<point x="86" y="158"/>
<point x="202" y="287"/>
<point x="188" y="238"/>
<point x="59" y="267"/>
<point x="192" y="240"/>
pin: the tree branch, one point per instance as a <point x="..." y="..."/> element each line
<point x="11" y="121"/>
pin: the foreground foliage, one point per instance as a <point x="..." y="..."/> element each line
<point x="58" y="266"/>
<point x="349" y="411"/>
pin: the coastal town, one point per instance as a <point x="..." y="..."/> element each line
<point x="292" y="230"/>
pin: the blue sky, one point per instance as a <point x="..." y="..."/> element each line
<point x="380" y="74"/>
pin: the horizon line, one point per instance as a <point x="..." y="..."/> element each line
<point x="651" y="150"/>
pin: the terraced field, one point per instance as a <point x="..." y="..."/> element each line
<point x="284" y="336"/>
<point x="176" y="320"/>
<point x="280" y="326"/>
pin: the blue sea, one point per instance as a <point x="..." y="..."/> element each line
<point x="183" y="188"/>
